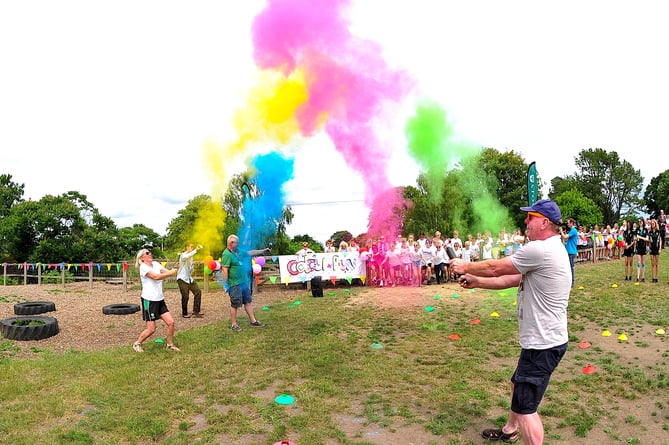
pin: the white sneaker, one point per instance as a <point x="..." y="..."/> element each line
<point x="137" y="347"/>
<point x="173" y="348"/>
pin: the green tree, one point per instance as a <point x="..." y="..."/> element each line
<point x="573" y="204"/>
<point x="180" y="229"/>
<point x="614" y="185"/>
<point x="11" y="193"/>
<point x="563" y="184"/>
<point x="506" y="179"/>
<point x="656" y="196"/>
<point x="296" y="244"/>
<point x="48" y="230"/>
<point x="134" y="238"/>
<point x="342" y="235"/>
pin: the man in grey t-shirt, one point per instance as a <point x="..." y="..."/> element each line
<point x="541" y="271"/>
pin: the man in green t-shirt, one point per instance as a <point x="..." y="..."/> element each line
<point x="236" y="283"/>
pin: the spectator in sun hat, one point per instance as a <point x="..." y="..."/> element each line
<point x="305" y="250"/>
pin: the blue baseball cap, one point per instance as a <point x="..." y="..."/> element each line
<point x="548" y="208"/>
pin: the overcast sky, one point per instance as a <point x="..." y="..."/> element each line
<point x="115" y="99"/>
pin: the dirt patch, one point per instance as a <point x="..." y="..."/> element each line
<point x="83" y="326"/>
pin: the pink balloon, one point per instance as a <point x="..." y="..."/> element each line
<point x="257" y="268"/>
<point x="260" y="260"/>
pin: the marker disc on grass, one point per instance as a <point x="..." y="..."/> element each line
<point x="284" y="399"/>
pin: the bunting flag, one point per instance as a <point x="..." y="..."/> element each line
<point x="349" y="279"/>
<point x="333" y="280"/>
<point x="287" y="280"/>
<point x="272" y="279"/>
<point x="164" y="263"/>
<point x="363" y="278"/>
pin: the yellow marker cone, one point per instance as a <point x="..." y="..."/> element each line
<point x="614" y="285"/>
<point x="581" y="288"/>
<point x="494" y="314"/>
<point x="622" y="337"/>
<point x="636" y="284"/>
<point x="606" y="333"/>
<point x="659" y="331"/>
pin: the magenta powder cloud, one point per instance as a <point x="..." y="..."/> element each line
<point x="350" y="87"/>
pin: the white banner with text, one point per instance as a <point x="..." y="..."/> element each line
<point x="328" y="266"/>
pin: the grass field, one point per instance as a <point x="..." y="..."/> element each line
<point x="359" y="374"/>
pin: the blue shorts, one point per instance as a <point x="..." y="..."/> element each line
<point x="152" y="310"/>
<point x="531" y="377"/>
<point x="240" y="295"/>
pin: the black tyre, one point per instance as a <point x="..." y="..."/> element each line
<point x="34" y="307"/>
<point x="120" y="309"/>
<point x="29" y="328"/>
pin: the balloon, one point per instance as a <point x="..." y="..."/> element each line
<point x="208" y="258"/>
<point x="260" y="260"/>
<point x="211" y="265"/>
<point x="218" y="265"/>
<point x="207" y="270"/>
<point x="257" y="268"/>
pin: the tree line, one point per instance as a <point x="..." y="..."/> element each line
<point x="480" y="193"/>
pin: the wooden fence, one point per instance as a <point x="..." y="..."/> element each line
<point x="120" y="273"/>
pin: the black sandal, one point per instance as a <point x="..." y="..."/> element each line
<point x="498" y="434"/>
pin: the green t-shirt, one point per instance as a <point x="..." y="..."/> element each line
<point x="236" y="273"/>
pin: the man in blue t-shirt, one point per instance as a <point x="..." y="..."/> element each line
<point x="571" y="240"/>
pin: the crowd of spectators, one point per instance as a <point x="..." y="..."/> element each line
<point x="422" y="260"/>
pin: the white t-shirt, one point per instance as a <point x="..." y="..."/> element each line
<point x="543" y="293"/>
<point x="152" y="290"/>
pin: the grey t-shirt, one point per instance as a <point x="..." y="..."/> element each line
<point x="543" y="293"/>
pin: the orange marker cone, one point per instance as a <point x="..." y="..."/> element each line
<point x="584" y="345"/>
<point x="454" y="337"/>
<point x="475" y="321"/>
<point x="589" y="370"/>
